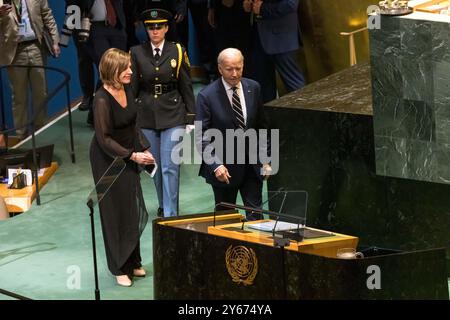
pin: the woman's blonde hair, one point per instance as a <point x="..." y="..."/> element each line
<point x="114" y="61"/>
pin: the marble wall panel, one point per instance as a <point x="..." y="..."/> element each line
<point x="411" y="97"/>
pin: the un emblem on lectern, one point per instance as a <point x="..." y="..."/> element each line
<point x="242" y="264"/>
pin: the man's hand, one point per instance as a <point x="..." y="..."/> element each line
<point x="5" y="10"/>
<point x="257" y="7"/>
<point x="222" y="174"/>
<point x="247" y="5"/>
<point x="179" y="17"/>
<point x="56" y="50"/>
<point x="211" y="18"/>
<point x="266" y="171"/>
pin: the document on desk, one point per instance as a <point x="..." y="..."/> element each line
<point x="270" y="225"/>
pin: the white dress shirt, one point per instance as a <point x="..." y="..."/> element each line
<point x="161" y="46"/>
<point x="26" y="32"/>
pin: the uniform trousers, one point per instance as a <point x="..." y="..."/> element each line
<point x="23" y="79"/>
<point x="167" y="176"/>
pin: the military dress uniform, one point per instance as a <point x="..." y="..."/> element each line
<point x="163" y="89"/>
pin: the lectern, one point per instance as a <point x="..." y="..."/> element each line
<point x="195" y="259"/>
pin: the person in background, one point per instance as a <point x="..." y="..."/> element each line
<point x="108" y="25"/>
<point x="276" y="38"/>
<point x="231" y="28"/>
<point x="205" y="35"/>
<point x="86" y="70"/>
<point x="122" y="211"/>
<point x="22" y="27"/>
<point x="162" y="84"/>
<point x="232" y="103"/>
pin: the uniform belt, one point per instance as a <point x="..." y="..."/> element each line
<point x="161" y="88"/>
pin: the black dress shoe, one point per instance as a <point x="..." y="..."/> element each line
<point x="160" y="212"/>
<point x="85" y="105"/>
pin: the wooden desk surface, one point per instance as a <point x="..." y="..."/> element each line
<point x="324" y="246"/>
<point x="19" y="200"/>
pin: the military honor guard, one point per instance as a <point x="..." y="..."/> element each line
<point x="162" y="85"/>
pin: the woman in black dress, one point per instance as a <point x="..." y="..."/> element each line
<point x="122" y="210"/>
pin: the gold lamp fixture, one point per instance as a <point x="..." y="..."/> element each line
<point x="351" y="44"/>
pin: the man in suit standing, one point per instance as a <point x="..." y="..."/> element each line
<point x="86" y="72"/>
<point x="108" y="27"/>
<point x="22" y="25"/>
<point x="276" y="38"/>
<point x="232" y="103"/>
<point x="107" y="31"/>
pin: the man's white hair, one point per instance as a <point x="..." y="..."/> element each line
<point x="228" y="53"/>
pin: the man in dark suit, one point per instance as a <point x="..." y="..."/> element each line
<point x="86" y="71"/>
<point x="108" y="27"/>
<point x="105" y="30"/>
<point x="232" y="103"/>
<point x="276" y="38"/>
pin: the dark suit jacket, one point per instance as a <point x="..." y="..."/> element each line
<point x="214" y="110"/>
<point x="278" y="27"/>
<point x="169" y="109"/>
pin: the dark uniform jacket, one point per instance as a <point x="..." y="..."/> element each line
<point x="165" y="100"/>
